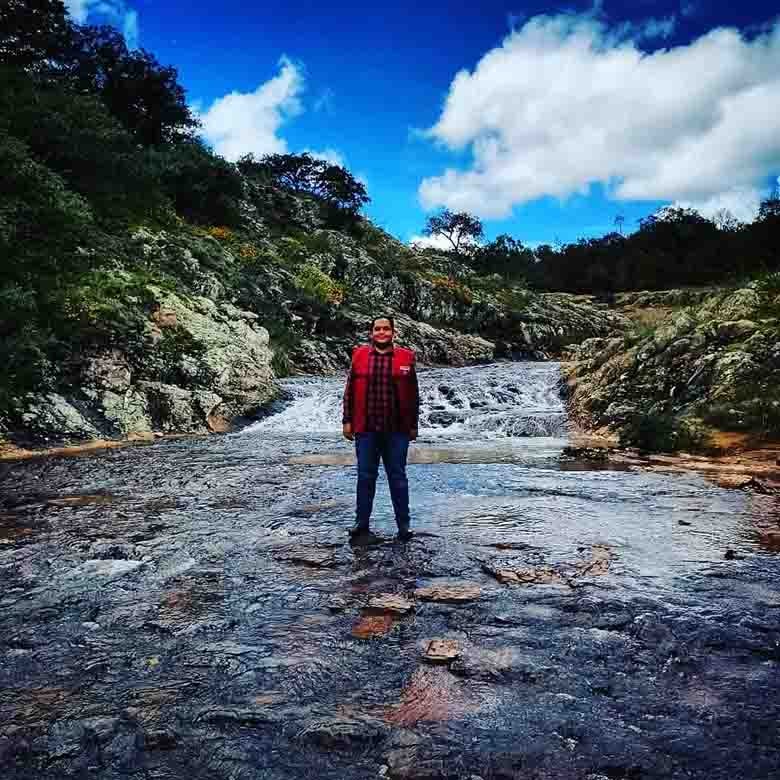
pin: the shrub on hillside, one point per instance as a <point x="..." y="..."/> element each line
<point x="33" y="196"/>
<point x="663" y="432"/>
<point x="316" y="284"/>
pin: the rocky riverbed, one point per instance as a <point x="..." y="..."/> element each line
<point x="192" y="608"/>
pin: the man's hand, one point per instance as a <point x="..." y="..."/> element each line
<point x="413" y="434"/>
<point x="347" y="431"/>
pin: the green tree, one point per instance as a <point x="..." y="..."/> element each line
<point x="34" y="34"/>
<point x="142" y="94"/>
<point x="460" y="229"/>
<point x="75" y="136"/>
<point x="204" y="187"/>
<point x="332" y="184"/>
<point x="505" y="256"/>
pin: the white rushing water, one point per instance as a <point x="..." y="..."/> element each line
<point x="494" y="401"/>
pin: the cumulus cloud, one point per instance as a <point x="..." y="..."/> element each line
<point x="741" y="202"/>
<point x="248" y="123"/>
<point x="330" y="156"/>
<point x="116" y="12"/>
<point x="566" y="102"/>
<point x="430" y="242"/>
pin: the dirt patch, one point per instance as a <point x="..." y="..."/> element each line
<point x="370" y="626"/>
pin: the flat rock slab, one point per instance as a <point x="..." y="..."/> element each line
<point x="597" y="565"/>
<point x="456" y="593"/>
<point x="441" y="650"/>
<point x="397" y="605"/>
<point x="539" y="575"/>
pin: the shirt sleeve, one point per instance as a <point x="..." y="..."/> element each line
<point x="348" y="395"/>
<point x="416" y="387"/>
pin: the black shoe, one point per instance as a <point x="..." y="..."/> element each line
<point x="358" y="530"/>
<point x="404" y="534"/>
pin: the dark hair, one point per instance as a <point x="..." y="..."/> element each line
<point x="383" y="317"/>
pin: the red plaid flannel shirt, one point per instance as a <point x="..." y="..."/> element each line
<point x="382" y="412"/>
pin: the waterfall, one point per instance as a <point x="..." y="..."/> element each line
<point x="493" y="401"/>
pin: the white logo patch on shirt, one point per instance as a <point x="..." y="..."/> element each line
<point x="405" y="369"/>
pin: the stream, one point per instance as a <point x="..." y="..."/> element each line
<point x="193" y="608"/>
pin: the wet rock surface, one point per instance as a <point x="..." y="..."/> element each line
<point x="192" y="609"/>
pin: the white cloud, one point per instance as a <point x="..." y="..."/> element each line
<point x="243" y="123"/>
<point x="116" y="12"/>
<point x="566" y="102"/>
<point x="330" y="156"/>
<point x="430" y="242"/>
<point x="741" y="202"/>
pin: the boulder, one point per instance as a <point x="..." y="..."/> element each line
<point x="50" y="416"/>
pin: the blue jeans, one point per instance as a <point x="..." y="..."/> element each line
<point x="392" y="448"/>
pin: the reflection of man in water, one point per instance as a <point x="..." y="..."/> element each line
<point x="381" y="410"/>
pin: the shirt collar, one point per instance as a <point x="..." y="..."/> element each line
<point x="377" y="352"/>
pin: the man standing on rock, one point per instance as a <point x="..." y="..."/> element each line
<point x="381" y="413"/>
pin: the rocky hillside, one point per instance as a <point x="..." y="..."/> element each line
<point x="693" y="363"/>
<point x="190" y="335"/>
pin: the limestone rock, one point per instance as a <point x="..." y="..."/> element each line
<point x="51" y="416"/>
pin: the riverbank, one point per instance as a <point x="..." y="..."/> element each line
<point x="694" y="368"/>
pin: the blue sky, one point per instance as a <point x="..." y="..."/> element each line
<point x="564" y="115"/>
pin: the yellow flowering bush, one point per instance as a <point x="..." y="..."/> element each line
<point x="450" y="287"/>
<point x="314" y="282"/>
<point x="220" y="233"/>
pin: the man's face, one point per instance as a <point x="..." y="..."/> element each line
<point x="382" y="333"/>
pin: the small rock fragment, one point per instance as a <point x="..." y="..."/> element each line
<point x="442" y="650"/>
<point x="456" y="593"/>
<point x="391" y="603"/>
